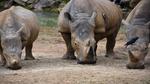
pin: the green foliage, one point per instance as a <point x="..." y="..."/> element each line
<point x="1" y="3"/>
<point x="65" y="1"/>
<point x="48" y="20"/>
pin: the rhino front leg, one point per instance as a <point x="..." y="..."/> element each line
<point x="111" y="41"/>
<point x="28" y="51"/>
<point x="70" y="51"/>
<point x="3" y="60"/>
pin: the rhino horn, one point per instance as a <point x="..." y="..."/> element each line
<point x="131" y="56"/>
<point x="125" y="23"/>
<point x="148" y="23"/>
<point x="21" y="29"/>
<point x="133" y="40"/>
<point x="68" y="16"/>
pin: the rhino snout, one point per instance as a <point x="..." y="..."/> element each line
<point x="88" y="56"/>
<point x="86" y="62"/>
<point x="14" y="64"/>
<point x="135" y="66"/>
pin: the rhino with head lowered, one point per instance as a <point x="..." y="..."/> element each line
<point x="18" y="29"/>
<point x="138" y="34"/>
<point x="83" y="23"/>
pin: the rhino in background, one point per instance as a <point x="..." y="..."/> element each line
<point x="18" y="29"/>
<point x="83" y="23"/>
<point x="138" y="34"/>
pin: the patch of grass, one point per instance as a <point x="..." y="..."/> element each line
<point x="48" y="19"/>
<point x="122" y="29"/>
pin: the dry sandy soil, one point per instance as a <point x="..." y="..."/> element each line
<point x="49" y="68"/>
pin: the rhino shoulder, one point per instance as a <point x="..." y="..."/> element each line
<point x="63" y="22"/>
<point x="23" y="13"/>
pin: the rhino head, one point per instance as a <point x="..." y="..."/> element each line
<point x="82" y="38"/>
<point x="11" y="49"/>
<point x="12" y="40"/>
<point x="137" y="45"/>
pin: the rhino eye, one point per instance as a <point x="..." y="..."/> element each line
<point x="23" y="40"/>
<point x="75" y="43"/>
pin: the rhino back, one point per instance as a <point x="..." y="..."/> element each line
<point x="20" y="16"/>
<point x="140" y="14"/>
<point x="28" y="18"/>
<point x="105" y="10"/>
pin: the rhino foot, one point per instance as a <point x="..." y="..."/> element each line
<point x="69" y="56"/>
<point x="112" y="55"/>
<point x="29" y="58"/>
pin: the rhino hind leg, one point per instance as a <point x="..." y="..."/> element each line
<point x="70" y="51"/>
<point x="111" y="41"/>
<point x="28" y="51"/>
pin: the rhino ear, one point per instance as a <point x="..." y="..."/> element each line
<point x="2" y="33"/>
<point x="21" y="29"/>
<point x="125" y="23"/>
<point x="133" y="40"/>
<point x="92" y="19"/>
<point x="68" y="16"/>
<point x="23" y="32"/>
<point x="148" y="23"/>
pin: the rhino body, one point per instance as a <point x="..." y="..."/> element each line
<point x="83" y="23"/>
<point x="18" y="29"/>
<point x="138" y="26"/>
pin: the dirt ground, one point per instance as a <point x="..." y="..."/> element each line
<point x="49" y="68"/>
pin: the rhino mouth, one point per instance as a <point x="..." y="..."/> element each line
<point x="14" y="66"/>
<point x="91" y="57"/>
<point x="12" y="63"/>
<point x="135" y="66"/>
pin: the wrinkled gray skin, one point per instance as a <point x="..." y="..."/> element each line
<point x="138" y="25"/>
<point x="18" y="29"/>
<point x="83" y="25"/>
